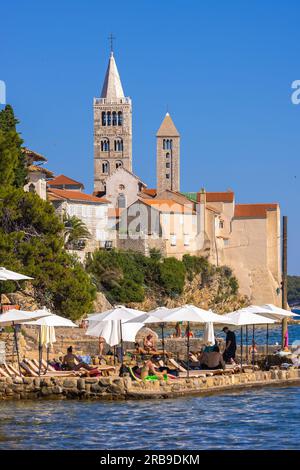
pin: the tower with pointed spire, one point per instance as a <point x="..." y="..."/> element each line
<point x="168" y="156"/>
<point x="112" y="128"/>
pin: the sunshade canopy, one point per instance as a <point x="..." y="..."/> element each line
<point x="117" y="313"/>
<point x="20" y="316"/>
<point x="7" y="275"/>
<point x="244" y="317"/>
<point x="53" y="320"/>
<point x="110" y="331"/>
<point x="191" y="313"/>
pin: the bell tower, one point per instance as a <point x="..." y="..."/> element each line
<point x="168" y="156"/>
<point x="112" y="128"/>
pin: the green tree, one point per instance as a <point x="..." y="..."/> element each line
<point x="13" y="169"/>
<point x="172" y="275"/>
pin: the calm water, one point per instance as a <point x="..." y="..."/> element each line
<point x="260" y="333"/>
<point x="261" y="419"/>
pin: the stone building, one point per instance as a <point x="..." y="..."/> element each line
<point x="168" y="156"/>
<point x="37" y="174"/>
<point x="112" y="128"/>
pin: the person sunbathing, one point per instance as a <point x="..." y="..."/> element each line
<point x="69" y="361"/>
<point x="149" y="345"/>
<point x="150" y="371"/>
<point x="212" y="360"/>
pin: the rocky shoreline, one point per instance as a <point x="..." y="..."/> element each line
<point x="117" y="388"/>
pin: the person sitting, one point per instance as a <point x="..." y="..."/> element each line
<point x="69" y="361"/>
<point x="149" y="345"/>
<point x="150" y="371"/>
<point x="138" y="349"/>
<point x="212" y="360"/>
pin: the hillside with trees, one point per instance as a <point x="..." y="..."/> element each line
<point x="294" y="290"/>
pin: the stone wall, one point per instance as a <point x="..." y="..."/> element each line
<point x="116" y="388"/>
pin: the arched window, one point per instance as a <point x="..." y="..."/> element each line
<point x="31" y="188"/>
<point x="121" y="201"/>
<point x="118" y="145"/>
<point x="105" y="145"/>
<point x="120" y="118"/>
<point x="119" y="164"/>
<point x="103" y="118"/>
<point x="121" y="187"/>
<point x="109" y="118"/>
<point x="105" y="167"/>
<point x="114" y="118"/>
<point x="167" y="155"/>
<point x="164" y="144"/>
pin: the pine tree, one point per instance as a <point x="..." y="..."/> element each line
<point x="12" y="160"/>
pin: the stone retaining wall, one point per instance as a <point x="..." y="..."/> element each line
<point x="115" y="388"/>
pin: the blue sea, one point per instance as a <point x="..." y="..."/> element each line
<point x="258" y="419"/>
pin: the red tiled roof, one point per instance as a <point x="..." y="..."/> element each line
<point x="40" y="169"/>
<point x="165" y="205"/>
<point x="253" y="210"/>
<point x="56" y="194"/>
<point x="226" y="196"/>
<point x="64" y="180"/>
<point x="114" y="212"/>
<point x="150" y="191"/>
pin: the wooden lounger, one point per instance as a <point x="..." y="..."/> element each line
<point x="3" y="372"/>
<point x="176" y="365"/>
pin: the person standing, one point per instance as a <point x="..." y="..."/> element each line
<point x="230" y="348"/>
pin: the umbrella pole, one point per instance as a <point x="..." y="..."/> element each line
<point x="188" y="349"/>
<point x="267" y="342"/>
<point x="17" y="346"/>
<point x="40" y="350"/>
<point x="163" y="341"/>
<point x="241" y="348"/>
<point x="247" y="356"/>
<point x="114" y="355"/>
<point x="122" y="352"/>
<point x="253" y="354"/>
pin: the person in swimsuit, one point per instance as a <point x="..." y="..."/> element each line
<point x="149" y="344"/>
<point x="69" y="361"/>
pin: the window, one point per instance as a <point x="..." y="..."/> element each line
<point x="164" y="144"/>
<point x="120" y="118"/>
<point x="118" y="145"/>
<point x="167" y="165"/>
<point x="173" y="240"/>
<point x="221" y="224"/>
<point x="105" y="167"/>
<point x="168" y="176"/>
<point x="109" y="118"/>
<point x="105" y="145"/>
<point x="121" y="201"/>
<point x="104" y="118"/>
<point x="171" y="144"/>
<point x="167" y="144"/>
<point x="119" y="164"/>
<point x="186" y="240"/>
<point x="167" y="155"/>
<point x="31" y="188"/>
<point x="114" y="118"/>
<point x="122" y="187"/>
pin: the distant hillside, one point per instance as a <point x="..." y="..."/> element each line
<point x="294" y="290"/>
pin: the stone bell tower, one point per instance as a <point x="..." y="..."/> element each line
<point x="112" y="128"/>
<point x="168" y="156"/>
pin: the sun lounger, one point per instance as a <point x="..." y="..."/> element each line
<point x="29" y="371"/>
<point x="177" y="365"/>
<point x="3" y="372"/>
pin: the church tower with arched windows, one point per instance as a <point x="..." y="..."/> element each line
<point x="112" y="128"/>
<point x="167" y="156"/>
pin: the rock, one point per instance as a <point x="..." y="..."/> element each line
<point x="105" y="381"/>
<point x="101" y="304"/>
<point x="57" y="390"/>
<point x="18" y="380"/>
<point x="70" y="383"/>
<point x="81" y="384"/>
<point x="91" y="380"/>
<point x="95" y="388"/>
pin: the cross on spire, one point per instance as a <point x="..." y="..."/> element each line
<point x="111" y="39"/>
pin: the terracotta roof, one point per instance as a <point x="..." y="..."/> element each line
<point x="166" y="205"/>
<point x="64" y="180"/>
<point x="226" y="196"/>
<point x="36" y="169"/>
<point x="34" y="156"/>
<point x="150" y="191"/>
<point x="167" y="128"/>
<point x="253" y="210"/>
<point x="71" y="195"/>
<point x="114" y="212"/>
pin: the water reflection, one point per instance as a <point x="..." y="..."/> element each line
<point x="260" y="419"/>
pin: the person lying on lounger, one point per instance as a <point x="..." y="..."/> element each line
<point x="70" y="359"/>
<point x="149" y="345"/>
<point x="149" y="370"/>
<point x="212" y="360"/>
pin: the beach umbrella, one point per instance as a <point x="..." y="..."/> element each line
<point x="245" y="317"/>
<point x="209" y="334"/>
<point x="16" y="317"/>
<point x="119" y="314"/>
<point x="47" y="326"/>
<point x="7" y="275"/>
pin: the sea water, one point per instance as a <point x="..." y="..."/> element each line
<point x="258" y="419"/>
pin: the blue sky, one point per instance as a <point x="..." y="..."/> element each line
<point x="223" y="69"/>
